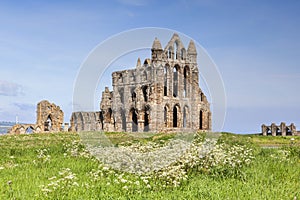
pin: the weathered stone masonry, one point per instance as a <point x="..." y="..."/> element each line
<point x="282" y="129"/>
<point x="49" y="119"/>
<point x="160" y="94"/>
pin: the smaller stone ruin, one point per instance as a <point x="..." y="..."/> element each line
<point x="49" y="119"/>
<point x="281" y="130"/>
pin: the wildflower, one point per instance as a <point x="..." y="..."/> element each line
<point x="75" y="184"/>
<point x="46" y="190"/>
<point x="105" y="168"/>
<point x="53" y="177"/>
<point x="145" y="181"/>
<point x="123" y="180"/>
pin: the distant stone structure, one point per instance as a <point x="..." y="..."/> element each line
<point x="282" y="129"/>
<point x="162" y="94"/>
<point x="49" y="116"/>
<point x="49" y="119"/>
<point x="90" y="121"/>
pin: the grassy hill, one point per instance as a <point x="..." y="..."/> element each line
<point x="59" y="166"/>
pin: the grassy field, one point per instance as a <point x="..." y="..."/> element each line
<point x="58" y="166"/>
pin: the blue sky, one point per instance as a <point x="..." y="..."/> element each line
<point x="255" y="45"/>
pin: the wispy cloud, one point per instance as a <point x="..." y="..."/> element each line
<point x="10" y="88"/>
<point x="24" y="106"/>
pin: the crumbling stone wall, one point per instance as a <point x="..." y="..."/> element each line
<point x="282" y="129"/>
<point x="86" y="121"/>
<point x="49" y="119"/>
<point x="49" y="116"/>
<point x="160" y="94"/>
<point x="25" y="128"/>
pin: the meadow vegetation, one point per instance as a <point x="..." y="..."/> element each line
<point x="69" y="166"/>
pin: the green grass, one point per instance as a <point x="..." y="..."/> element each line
<point x="267" y="141"/>
<point x="273" y="174"/>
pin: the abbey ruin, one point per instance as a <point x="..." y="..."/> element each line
<point x="160" y="94"/>
<point x="281" y="130"/>
<point x="49" y="119"/>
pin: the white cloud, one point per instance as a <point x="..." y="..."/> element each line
<point x="10" y="89"/>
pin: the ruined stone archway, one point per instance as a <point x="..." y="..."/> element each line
<point x="145" y="92"/>
<point x="166" y="70"/>
<point x="175" y="80"/>
<point x="29" y="130"/>
<point x="186" y="81"/>
<point x="49" y="116"/>
<point x="201" y="120"/>
<point x="288" y="131"/>
<point x="134" y="119"/>
<point x="48" y="123"/>
<point x="176" y="116"/>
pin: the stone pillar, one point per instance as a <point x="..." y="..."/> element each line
<point x="283" y="129"/>
<point x="264" y="130"/>
<point x="273" y="129"/>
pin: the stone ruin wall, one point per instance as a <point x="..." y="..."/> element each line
<point x="280" y="130"/>
<point x="162" y="94"/>
<point x="81" y="121"/>
<point x="49" y="119"/>
<point x="49" y="116"/>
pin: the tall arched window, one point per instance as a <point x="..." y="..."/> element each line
<point x="175" y="81"/>
<point x="165" y="81"/>
<point x="133" y="94"/>
<point x="146" y="118"/>
<point x="170" y="52"/>
<point x="48" y="124"/>
<point x="109" y="114"/>
<point x="182" y="54"/>
<point x="134" y="118"/>
<point x="201" y="120"/>
<point x="186" y="81"/>
<point x="176" y="50"/>
<point x="145" y="92"/>
<point x="176" y="116"/>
